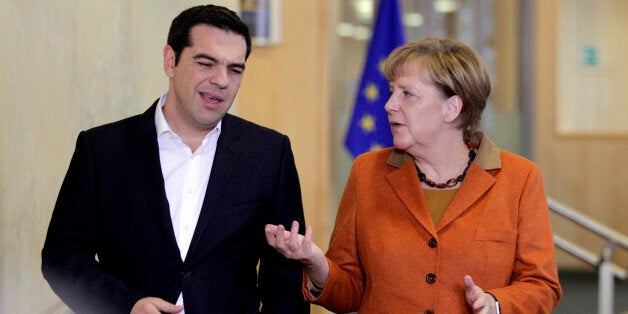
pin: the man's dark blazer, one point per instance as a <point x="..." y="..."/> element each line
<point x="112" y="204"/>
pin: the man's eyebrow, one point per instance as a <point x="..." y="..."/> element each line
<point x="204" y="56"/>
<point x="210" y="58"/>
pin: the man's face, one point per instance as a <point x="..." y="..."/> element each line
<point x="205" y="82"/>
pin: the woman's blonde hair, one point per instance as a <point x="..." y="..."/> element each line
<point x="453" y="67"/>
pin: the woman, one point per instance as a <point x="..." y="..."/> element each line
<point x="444" y="222"/>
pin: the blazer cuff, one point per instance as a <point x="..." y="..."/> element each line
<point x="314" y="289"/>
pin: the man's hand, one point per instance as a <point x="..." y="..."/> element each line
<point x="153" y="305"/>
<point x="480" y="301"/>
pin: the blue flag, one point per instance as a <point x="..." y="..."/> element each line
<point x="369" y="128"/>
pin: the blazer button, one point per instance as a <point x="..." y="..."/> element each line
<point x="186" y="273"/>
<point x="429" y="312"/>
<point x="432" y="243"/>
<point x="430" y="278"/>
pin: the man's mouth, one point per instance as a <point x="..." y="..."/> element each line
<point x="211" y="97"/>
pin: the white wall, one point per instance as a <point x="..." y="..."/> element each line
<point x="65" y="66"/>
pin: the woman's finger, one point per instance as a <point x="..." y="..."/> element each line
<point x="294" y="237"/>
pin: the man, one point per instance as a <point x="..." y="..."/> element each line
<point x="165" y="211"/>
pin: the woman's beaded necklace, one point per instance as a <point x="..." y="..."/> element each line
<point x="453" y="181"/>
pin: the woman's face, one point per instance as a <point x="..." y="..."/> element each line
<point x="416" y="107"/>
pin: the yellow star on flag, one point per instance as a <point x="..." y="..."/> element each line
<point x="367" y="123"/>
<point x="380" y="66"/>
<point x="375" y="146"/>
<point x="371" y="92"/>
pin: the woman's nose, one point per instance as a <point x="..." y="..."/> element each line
<point x="390" y="104"/>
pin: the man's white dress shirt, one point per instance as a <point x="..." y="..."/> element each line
<point x="186" y="174"/>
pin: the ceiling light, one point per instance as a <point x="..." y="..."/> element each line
<point x="414" y="19"/>
<point x="446" y="6"/>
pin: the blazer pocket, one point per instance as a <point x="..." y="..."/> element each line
<point x="495" y="251"/>
<point x="495" y="235"/>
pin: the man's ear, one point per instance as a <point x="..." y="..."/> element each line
<point x="452" y="108"/>
<point x="169" y="61"/>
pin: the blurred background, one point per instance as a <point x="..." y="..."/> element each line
<point x="559" y="98"/>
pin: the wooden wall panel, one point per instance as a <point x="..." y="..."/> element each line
<point x="285" y="87"/>
<point x="586" y="173"/>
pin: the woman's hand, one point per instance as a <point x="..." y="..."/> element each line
<point x="294" y="246"/>
<point x="480" y="301"/>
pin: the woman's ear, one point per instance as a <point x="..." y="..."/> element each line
<point x="452" y="108"/>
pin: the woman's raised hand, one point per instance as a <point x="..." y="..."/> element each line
<point x="291" y="244"/>
<point x="298" y="247"/>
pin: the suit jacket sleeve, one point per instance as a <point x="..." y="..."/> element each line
<point x="280" y="278"/>
<point x="68" y="256"/>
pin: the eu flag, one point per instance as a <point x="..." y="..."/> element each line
<point x="369" y="127"/>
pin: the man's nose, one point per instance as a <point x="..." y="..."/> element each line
<point x="220" y="77"/>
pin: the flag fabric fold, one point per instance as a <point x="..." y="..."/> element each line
<point x="368" y="128"/>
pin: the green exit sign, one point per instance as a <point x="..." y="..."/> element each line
<point x="589" y="55"/>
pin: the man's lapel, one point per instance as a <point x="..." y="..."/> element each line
<point x="225" y="161"/>
<point x="144" y="152"/>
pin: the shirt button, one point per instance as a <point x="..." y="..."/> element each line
<point x="432" y="243"/>
<point x="430" y="278"/>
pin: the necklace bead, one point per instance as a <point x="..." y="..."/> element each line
<point x="451" y="182"/>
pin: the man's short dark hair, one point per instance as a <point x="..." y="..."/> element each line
<point x="210" y="15"/>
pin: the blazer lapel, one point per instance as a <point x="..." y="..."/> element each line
<point x="476" y="183"/>
<point x="144" y="152"/>
<point x="405" y="183"/>
<point x="225" y="161"/>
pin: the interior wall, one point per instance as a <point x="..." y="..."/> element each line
<point x="65" y="66"/>
<point x="587" y="173"/>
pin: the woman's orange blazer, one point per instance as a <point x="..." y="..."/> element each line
<point x="387" y="256"/>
